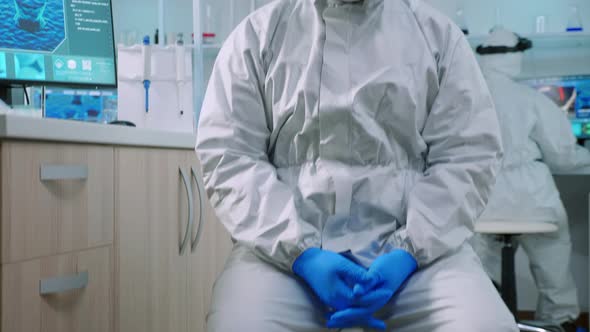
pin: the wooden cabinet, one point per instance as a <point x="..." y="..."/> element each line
<point x="207" y="257"/>
<point x="105" y="238"/>
<point x="166" y="246"/>
<point x="56" y="198"/>
<point x="64" y="293"/>
<point x="151" y="219"/>
<point x="57" y="220"/>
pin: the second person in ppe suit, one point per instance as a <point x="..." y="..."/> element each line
<point x="538" y="140"/>
<point x="348" y="147"/>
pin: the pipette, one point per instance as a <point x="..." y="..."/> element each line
<point x="147" y="69"/>
<point x="180" y="70"/>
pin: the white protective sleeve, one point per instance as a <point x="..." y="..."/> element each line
<point x="553" y="134"/>
<point x="464" y="154"/>
<point x="233" y="140"/>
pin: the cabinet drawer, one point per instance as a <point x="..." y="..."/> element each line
<point x="56" y="198"/>
<point x="66" y="293"/>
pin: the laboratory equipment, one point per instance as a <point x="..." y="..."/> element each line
<point x="574" y="22"/>
<point x="572" y="95"/>
<point x="47" y="43"/>
<point x="127" y="38"/>
<point x="169" y="108"/>
<point x="146" y="52"/>
<point x="180" y="69"/>
<point x="540" y="24"/>
<point x="208" y="34"/>
<point x="78" y="104"/>
<point x="170" y="39"/>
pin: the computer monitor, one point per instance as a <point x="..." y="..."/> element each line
<point x="57" y="42"/>
<point x="572" y="95"/>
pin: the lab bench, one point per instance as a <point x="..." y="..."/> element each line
<point x="103" y="228"/>
<point x="107" y="228"/>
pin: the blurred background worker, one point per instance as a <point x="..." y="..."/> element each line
<point x="537" y="140"/>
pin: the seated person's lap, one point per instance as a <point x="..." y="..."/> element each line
<point x="453" y="294"/>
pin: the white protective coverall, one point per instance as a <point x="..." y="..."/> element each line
<point x="538" y="140"/>
<point x="358" y="128"/>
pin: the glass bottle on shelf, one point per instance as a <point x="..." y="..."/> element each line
<point x="208" y="34"/>
<point x="574" y="22"/>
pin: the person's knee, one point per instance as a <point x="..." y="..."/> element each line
<point x="236" y="321"/>
<point x="251" y="295"/>
<point x="264" y="320"/>
<point x="498" y="320"/>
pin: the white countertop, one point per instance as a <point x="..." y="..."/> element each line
<point x="51" y="130"/>
<point x="20" y="127"/>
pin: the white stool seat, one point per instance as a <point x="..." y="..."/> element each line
<point x="513" y="227"/>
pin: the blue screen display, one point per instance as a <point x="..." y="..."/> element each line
<point x="572" y="94"/>
<point x="82" y="105"/>
<point x="57" y="42"/>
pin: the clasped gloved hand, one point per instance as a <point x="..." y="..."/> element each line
<point x="388" y="272"/>
<point x="333" y="278"/>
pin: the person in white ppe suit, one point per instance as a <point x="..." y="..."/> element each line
<point x="538" y="140"/>
<point x="339" y="136"/>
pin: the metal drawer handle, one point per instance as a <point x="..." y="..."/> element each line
<point x="189" y="223"/>
<point x="63" y="284"/>
<point x="63" y="172"/>
<point x="201" y="192"/>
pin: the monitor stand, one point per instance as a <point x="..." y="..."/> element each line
<point x="12" y="94"/>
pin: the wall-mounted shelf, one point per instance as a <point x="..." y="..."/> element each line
<point x="547" y="40"/>
<point x="553" y="54"/>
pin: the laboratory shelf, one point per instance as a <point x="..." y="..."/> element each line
<point x="155" y="48"/>
<point x="547" y="40"/>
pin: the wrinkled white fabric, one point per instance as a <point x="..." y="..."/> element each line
<point x="509" y="64"/>
<point x="500" y="36"/>
<point x="538" y="141"/>
<point x="452" y="295"/>
<point x="357" y="129"/>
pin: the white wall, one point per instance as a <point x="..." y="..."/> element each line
<point x="519" y="16"/>
<point x="178" y="17"/>
<point x="141" y="17"/>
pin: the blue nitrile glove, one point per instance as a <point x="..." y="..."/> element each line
<point x="332" y="278"/>
<point x="387" y="272"/>
<point x="358" y="316"/>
